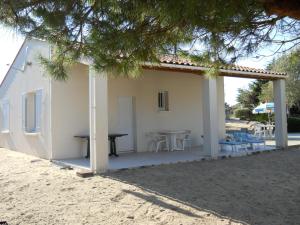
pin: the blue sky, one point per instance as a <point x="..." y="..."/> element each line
<point x="10" y="43"/>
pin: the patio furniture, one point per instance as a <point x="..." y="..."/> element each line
<point x="87" y="138"/>
<point x="259" y="130"/>
<point x="172" y="137"/>
<point x="156" y="141"/>
<point x="269" y="130"/>
<point x="184" y="140"/>
<point x="233" y="144"/>
<point x="255" y="141"/>
<point x="245" y="130"/>
<point x="249" y="139"/>
<point x="264" y="130"/>
<point x="112" y="140"/>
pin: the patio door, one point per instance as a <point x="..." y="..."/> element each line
<point x="126" y="124"/>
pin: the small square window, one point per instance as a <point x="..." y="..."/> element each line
<point x="163" y="101"/>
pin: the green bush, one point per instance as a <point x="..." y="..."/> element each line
<point x="262" y="118"/>
<point x="293" y="124"/>
<point x="243" y="114"/>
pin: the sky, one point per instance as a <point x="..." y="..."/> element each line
<point x="10" y="43"/>
<point x="232" y="84"/>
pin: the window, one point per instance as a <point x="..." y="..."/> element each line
<point x="163" y="101"/>
<point x="32" y="110"/>
<point x="5" y="116"/>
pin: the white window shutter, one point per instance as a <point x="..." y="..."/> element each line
<point x="5" y="116"/>
<point x="2" y="117"/>
<point x="38" y="109"/>
<point x="24" y="110"/>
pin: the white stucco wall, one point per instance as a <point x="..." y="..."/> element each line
<point x="221" y="107"/>
<point x="70" y="113"/>
<point x="19" y="82"/>
<point x="69" y="101"/>
<point x="185" y="103"/>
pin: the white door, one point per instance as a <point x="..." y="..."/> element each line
<point x="126" y="124"/>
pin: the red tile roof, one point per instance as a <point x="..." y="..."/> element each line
<point x="170" y="59"/>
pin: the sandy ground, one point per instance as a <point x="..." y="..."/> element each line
<point x="258" y="189"/>
<point x="238" y="124"/>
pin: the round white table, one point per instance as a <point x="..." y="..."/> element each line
<point x="172" y="135"/>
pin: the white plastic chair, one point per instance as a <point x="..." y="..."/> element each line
<point x="184" y="140"/>
<point x="269" y="131"/>
<point x="259" y="130"/>
<point x="157" y="141"/>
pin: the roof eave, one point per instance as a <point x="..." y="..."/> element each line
<point x="223" y="72"/>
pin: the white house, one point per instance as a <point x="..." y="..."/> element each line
<point x="41" y="116"/>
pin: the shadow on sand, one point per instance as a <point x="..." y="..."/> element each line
<point x="259" y="189"/>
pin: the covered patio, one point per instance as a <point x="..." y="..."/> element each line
<point x="141" y="159"/>
<point x="145" y="159"/>
<point x="205" y="105"/>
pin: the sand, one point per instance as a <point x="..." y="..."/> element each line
<point x="238" y="124"/>
<point x="259" y="189"/>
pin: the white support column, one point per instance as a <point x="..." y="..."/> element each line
<point x="221" y="107"/>
<point x="210" y="117"/>
<point x="280" y="113"/>
<point x="98" y="121"/>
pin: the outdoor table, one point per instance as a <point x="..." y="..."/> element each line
<point x="172" y="134"/>
<point x="87" y="138"/>
<point x="111" y="138"/>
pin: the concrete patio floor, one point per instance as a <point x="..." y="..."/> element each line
<point x="134" y="159"/>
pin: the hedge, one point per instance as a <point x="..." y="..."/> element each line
<point x="262" y="118"/>
<point x="246" y="114"/>
<point x="243" y="114"/>
<point x="293" y="124"/>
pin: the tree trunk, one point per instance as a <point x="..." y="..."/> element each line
<point x="290" y="8"/>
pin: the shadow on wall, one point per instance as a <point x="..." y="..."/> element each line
<point x="260" y="189"/>
<point x="37" y="144"/>
<point x="7" y="140"/>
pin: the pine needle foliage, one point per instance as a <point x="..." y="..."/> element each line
<point x="120" y="35"/>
